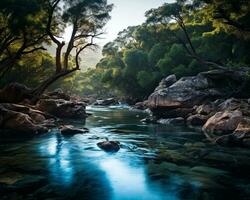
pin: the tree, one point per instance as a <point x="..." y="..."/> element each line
<point x="178" y="13"/>
<point x="22" y="31"/>
<point x="86" y="17"/>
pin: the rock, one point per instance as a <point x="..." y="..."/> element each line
<point x="166" y="82"/>
<point x="205" y="109"/>
<point x="240" y="137"/>
<point x="22" y="123"/>
<point x="62" y="109"/>
<point x="71" y="130"/>
<point x="148" y="120"/>
<point x="174" y="121"/>
<point x="58" y="94"/>
<point x="105" y="102"/>
<point x="14" y="93"/>
<point x="243" y="127"/>
<point x="186" y="92"/>
<point x="18" y="122"/>
<point x="223" y="122"/>
<point x="235" y="104"/>
<point x="197" y="120"/>
<point x="242" y="132"/>
<point x="140" y="106"/>
<point x="109" y="146"/>
<point x="171" y="79"/>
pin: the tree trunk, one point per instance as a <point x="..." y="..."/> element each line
<point x="37" y="92"/>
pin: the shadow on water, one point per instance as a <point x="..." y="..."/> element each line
<point x="154" y="162"/>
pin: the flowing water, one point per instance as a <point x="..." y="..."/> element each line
<point x="155" y="162"/>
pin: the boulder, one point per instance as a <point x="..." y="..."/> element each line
<point x="173" y="121"/>
<point x="71" y="130"/>
<point x="18" y="122"/>
<point x="205" y="109"/>
<point x="243" y="127"/>
<point x="235" y="104"/>
<point x="197" y="120"/>
<point x="58" y="94"/>
<point x="186" y="92"/>
<point x="190" y="91"/>
<point x="140" y="106"/>
<point x="166" y="82"/>
<point x="21" y="119"/>
<point x="240" y="137"/>
<point x="223" y="122"/>
<point x="62" y="109"/>
<point x="109" y="146"/>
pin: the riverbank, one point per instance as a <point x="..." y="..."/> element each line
<point x="206" y="101"/>
<point x="155" y="160"/>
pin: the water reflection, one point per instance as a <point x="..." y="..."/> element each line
<point x="155" y="162"/>
<point x="129" y="181"/>
<point x="60" y="163"/>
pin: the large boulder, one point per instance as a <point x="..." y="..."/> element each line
<point x="62" y="108"/>
<point x="19" y="122"/>
<point x="186" y="92"/>
<point x="240" y="137"/>
<point x="223" y="122"/>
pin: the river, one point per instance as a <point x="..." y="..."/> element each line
<point x="155" y="162"/>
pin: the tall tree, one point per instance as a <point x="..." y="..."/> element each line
<point x="87" y="18"/>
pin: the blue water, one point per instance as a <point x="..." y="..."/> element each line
<point x="155" y="162"/>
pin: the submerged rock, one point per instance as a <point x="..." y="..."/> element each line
<point x="109" y="146"/>
<point x="71" y="130"/>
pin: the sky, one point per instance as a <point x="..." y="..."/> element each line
<point x="125" y="13"/>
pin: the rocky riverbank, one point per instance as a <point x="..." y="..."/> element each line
<point x="26" y="119"/>
<point x="205" y="100"/>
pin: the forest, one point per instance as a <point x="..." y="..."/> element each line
<point x="163" y="115"/>
<point x="179" y="38"/>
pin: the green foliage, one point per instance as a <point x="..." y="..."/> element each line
<point x="175" y="39"/>
<point x="161" y="46"/>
